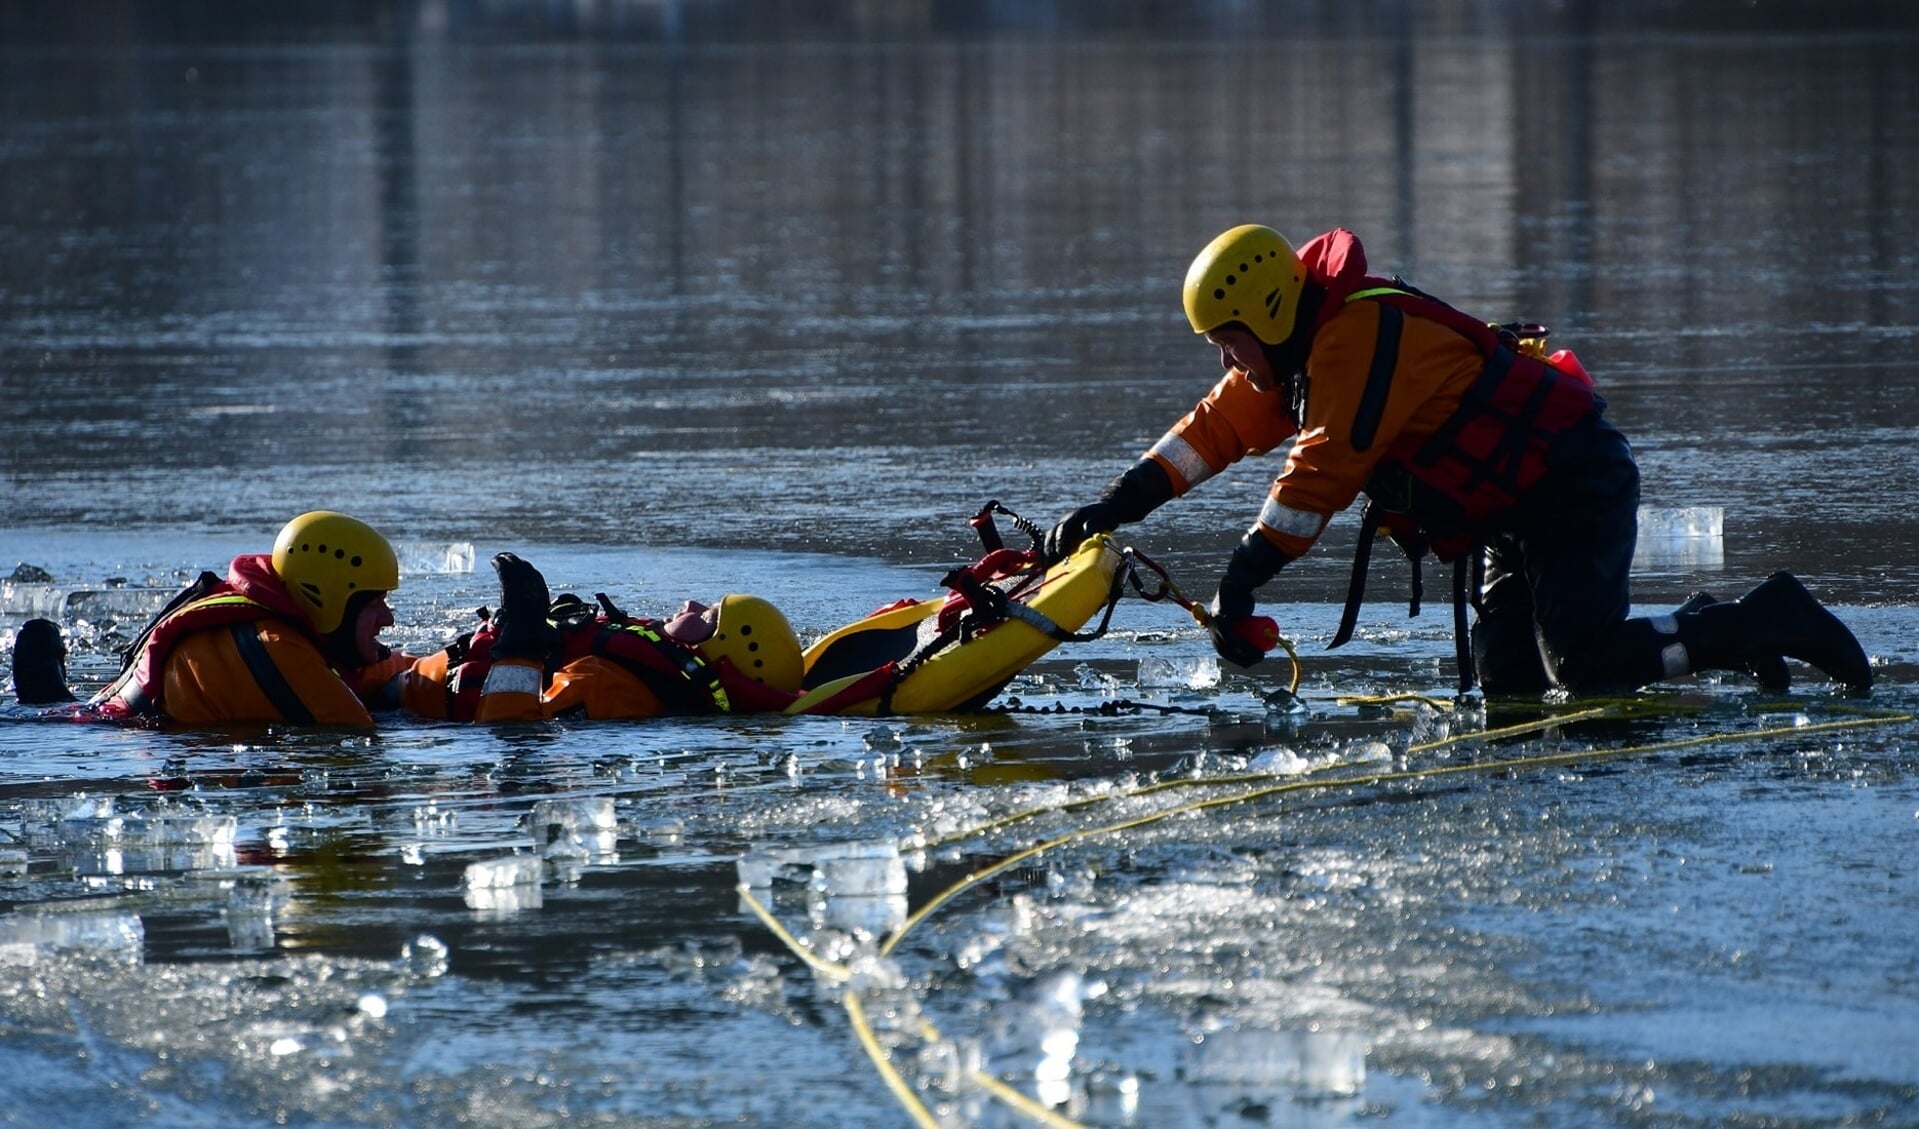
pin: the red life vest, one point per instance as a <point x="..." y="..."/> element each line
<point x="676" y="674"/>
<point x="1485" y="459"/>
<point x="250" y="592"/>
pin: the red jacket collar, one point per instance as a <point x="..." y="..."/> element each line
<point x="252" y="576"/>
<point x="1337" y="262"/>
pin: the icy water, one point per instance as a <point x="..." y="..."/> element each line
<point x="685" y="298"/>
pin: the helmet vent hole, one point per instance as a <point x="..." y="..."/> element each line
<point x="355" y="562"/>
<point x="1220" y="293"/>
<point x="752" y="646"/>
<point x="1232" y="279"/>
<point x="323" y="548"/>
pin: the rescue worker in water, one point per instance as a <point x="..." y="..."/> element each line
<point x="538" y="658"/>
<point x="291" y="636"/>
<point x="1464" y="444"/>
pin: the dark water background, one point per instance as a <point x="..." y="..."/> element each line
<point x="676" y="298"/>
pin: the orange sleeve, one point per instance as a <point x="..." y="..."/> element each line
<point x="1325" y="470"/>
<point x="512" y="692"/>
<point x="208" y="681"/>
<point x="1233" y="421"/>
<point x="417" y="690"/>
<point x="602" y="688"/>
<point x="598" y="687"/>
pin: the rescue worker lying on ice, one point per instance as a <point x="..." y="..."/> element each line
<point x="537" y="658"/>
<point x="1463" y="444"/>
<point x="291" y="636"/>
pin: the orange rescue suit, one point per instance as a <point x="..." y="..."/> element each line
<point x="240" y="651"/>
<point x="1325" y="471"/>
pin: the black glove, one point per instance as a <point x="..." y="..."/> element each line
<point x="520" y="627"/>
<point x="1255" y="561"/>
<point x="1142" y="489"/>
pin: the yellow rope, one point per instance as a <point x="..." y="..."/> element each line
<point x="1011" y="818"/>
<point x="904" y="1092"/>
<point x="1439" y="704"/>
<point x="884" y="1064"/>
<point x="838" y="973"/>
<point x="1021" y="1102"/>
<point x="1549" y="760"/>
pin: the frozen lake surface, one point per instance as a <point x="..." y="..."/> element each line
<point x="672" y="310"/>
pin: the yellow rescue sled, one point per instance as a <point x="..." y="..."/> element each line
<point x="954" y="654"/>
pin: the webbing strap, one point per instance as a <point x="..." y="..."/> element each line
<point x="246" y="639"/>
<point x="1356" y="584"/>
<point x="1379" y="377"/>
<point x="1463" y="567"/>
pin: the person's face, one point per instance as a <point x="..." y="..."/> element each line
<point x="374" y="616"/>
<point x="692" y="625"/>
<point x="1239" y="349"/>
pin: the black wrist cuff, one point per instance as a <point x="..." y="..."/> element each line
<point x="1255" y="561"/>
<point x="1142" y="489"/>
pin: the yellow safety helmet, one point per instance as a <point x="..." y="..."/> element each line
<point x="324" y="558"/>
<point x="758" y="640"/>
<point x="1250" y="275"/>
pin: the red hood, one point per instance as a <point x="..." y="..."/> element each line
<point x="252" y="576"/>
<point x="1336" y="261"/>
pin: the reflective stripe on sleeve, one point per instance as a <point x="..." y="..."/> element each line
<point x="1291" y="522"/>
<point x="512" y="678"/>
<point x="1184" y="458"/>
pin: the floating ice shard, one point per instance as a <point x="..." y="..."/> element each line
<point x="1197" y="673"/>
<point x="504" y="885"/>
<point x="855" y="869"/>
<point x="578" y="828"/>
<point x="425" y="956"/>
<point x="26" y="937"/>
<point x="1268" y="1067"/>
<point x="64" y="603"/>
<point x="418" y="557"/>
<point x="504" y="873"/>
<point x="1680" y="537"/>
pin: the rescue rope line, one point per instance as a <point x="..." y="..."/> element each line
<point x="1167" y="590"/>
<point x="1008" y="820"/>
<point x="869" y="1041"/>
<point x="903" y="1090"/>
<point x="1547" y="760"/>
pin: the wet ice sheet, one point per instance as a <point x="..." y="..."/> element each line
<point x="1569" y="944"/>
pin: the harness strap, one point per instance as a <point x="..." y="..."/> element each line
<point x="1379" y="377"/>
<point x="1356" y="584"/>
<point x="1462" y="640"/>
<point x="989" y="607"/>
<point x="693" y="688"/>
<point x="272" y="683"/>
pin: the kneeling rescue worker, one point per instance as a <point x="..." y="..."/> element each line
<point x="1467" y="443"/>
<point x="539" y="658"/>
<point x="291" y="636"/>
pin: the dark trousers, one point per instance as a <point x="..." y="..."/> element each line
<point x="1552" y="611"/>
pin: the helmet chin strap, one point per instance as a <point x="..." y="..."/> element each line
<point x="1288" y="358"/>
<point x="342" y="645"/>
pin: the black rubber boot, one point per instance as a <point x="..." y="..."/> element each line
<point x="40" y="664"/>
<point x="1770" y="669"/>
<point x="1777" y="618"/>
